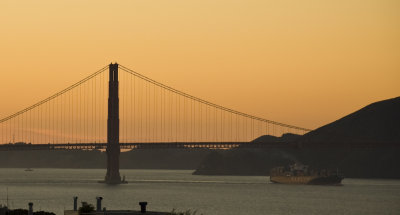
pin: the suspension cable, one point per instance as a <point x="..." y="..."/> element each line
<point x="55" y="95"/>
<point x="208" y="103"/>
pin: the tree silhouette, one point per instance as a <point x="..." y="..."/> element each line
<point x="86" y="208"/>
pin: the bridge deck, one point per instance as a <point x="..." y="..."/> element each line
<point x="148" y="145"/>
<point x="186" y="145"/>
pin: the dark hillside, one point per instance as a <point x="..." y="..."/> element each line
<point x="376" y="123"/>
<point x="285" y="138"/>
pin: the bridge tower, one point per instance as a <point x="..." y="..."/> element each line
<point x="113" y="149"/>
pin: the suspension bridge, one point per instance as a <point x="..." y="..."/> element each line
<point x="139" y="113"/>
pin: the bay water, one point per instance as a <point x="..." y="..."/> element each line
<point x="165" y="190"/>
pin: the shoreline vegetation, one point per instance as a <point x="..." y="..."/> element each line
<point x="89" y="209"/>
<point x="25" y="212"/>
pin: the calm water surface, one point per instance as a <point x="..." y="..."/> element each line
<point x="53" y="189"/>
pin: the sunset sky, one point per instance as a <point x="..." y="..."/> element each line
<point x="305" y="63"/>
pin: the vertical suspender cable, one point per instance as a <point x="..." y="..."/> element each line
<point x="147" y="111"/>
<point x="125" y="87"/>
<point x="164" y="116"/>
<point x="149" y="120"/>
<point x="176" y="117"/>
<point x="161" y="114"/>
<point x="216" y="124"/>
<point x="93" y="134"/>
<point x="130" y="108"/>
<point x="83" y="113"/>
<point x="22" y="125"/>
<point x="72" y="116"/>
<point x="179" y="136"/>
<point x="80" y="114"/>
<point x="154" y="121"/>
<point x="222" y="131"/>
<point x="54" y="120"/>
<point x="154" y="113"/>
<point x="134" y="109"/>
<point x="170" y="114"/>
<point x="141" y="109"/>
<point x="191" y="120"/>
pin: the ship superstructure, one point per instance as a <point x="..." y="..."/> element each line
<point x="302" y="174"/>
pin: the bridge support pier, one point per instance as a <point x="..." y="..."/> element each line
<point x="113" y="148"/>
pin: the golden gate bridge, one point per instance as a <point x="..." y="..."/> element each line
<point x="139" y="113"/>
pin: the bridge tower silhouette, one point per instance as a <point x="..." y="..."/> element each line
<point x="113" y="149"/>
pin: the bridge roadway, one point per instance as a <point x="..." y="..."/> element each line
<point x="193" y="145"/>
<point x="163" y="145"/>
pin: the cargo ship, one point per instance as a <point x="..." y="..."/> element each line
<point x="301" y="174"/>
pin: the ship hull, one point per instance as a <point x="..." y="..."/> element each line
<point x="310" y="180"/>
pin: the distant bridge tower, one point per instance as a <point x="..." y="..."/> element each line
<point x="113" y="149"/>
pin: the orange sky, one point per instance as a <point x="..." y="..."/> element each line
<point x="305" y="63"/>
